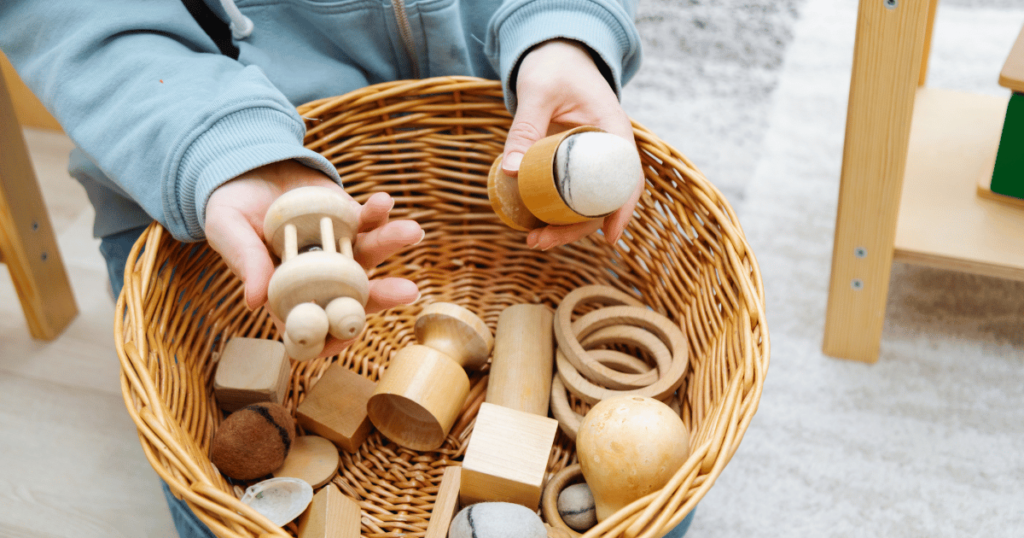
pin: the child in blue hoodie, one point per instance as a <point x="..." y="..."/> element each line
<point x="176" y="120"/>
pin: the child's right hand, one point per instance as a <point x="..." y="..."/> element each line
<point x="234" y="228"/>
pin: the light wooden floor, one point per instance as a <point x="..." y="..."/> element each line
<point x="70" y="460"/>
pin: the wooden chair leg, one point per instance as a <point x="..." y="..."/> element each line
<point x="886" y="69"/>
<point x="27" y="242"/>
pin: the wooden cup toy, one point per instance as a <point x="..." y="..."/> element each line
<point x="318" y="288"/>
<point x="574" y="176"/>
<point x="420" y="395"/>
<point x="508" y="453"/>
<point x="629" y="446"/>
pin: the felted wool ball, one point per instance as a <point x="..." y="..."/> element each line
<point x="596" y="172"/>
<point x="253" y="441"/>
<point x="497" y="520"/>
<point x="576" y="507"/>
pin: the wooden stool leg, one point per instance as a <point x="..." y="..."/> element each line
<point x="886" y="70"/>
<point x="27" y="242"/>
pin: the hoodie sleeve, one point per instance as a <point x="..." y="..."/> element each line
<point x="605" y="26"/>
<point x="141" y="89"/>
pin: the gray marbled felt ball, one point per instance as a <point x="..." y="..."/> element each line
<point x="596" y="173"/>
<point x="576" y="507"/>
<point x="497" y="520"/>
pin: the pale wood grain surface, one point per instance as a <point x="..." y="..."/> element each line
<point x="30" y="111"/>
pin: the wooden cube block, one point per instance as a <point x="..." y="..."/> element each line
<point x="507" y="457"/>
<point x="335" y="408"/>
<point x="251" y="370"/>
<point x="331" y="515"/>
<point x="446" y="504"/>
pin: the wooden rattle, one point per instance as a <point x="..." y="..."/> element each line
<point x="629" y="446"/>
<point x="574" y="176"/>
<point x="420" y="395"/>
<point x="508" y="454"/>
<point x="318" y="288"/>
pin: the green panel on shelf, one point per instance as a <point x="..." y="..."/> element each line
<point x="1008" y="176"/>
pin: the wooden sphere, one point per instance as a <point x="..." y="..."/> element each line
<point x="629" y="446"/>
<point x="306" y="328"/>
<point x="346" y="318"/>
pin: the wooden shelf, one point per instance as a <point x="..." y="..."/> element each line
<point x="942" y="221"/>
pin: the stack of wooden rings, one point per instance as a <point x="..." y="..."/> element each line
<point x="594" y="374"/>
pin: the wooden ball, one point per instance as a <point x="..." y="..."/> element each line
<point x="497" y="520"/>
<point x="253" y="441"/>
<point x="346" y="317"/>
<point x="576" y="507"/>
<point x="596" y="172"/>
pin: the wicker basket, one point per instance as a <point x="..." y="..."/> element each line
<point x="429" y="144"/>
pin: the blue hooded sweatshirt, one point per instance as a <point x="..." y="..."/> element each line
<point x="161" y="118"/>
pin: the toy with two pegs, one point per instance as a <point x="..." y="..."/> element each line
<point x="318" y="289"/>
<point x="574" y="176"/>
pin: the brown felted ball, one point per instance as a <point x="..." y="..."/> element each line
<point x="253" y="441"/>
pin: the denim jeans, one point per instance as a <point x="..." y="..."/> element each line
<point x="115" y="249"/>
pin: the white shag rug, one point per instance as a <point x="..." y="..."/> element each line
<point x="930" y="440"/>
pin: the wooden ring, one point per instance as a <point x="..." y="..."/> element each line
<point x="661" y="326"/>
<point x="568" y="476"/>
<point x="569" y="420"/>
<point x="567" y="339"/>
<point x="626" y="334"/>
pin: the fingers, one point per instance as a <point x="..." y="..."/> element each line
<point x="529" y="125"/>
<point x="615" y="223"/>
<point x="375" y="246"/>
<point x="374" y="213"/>
<point x="233" y="236"/>
<point x="553" y="236"/>
<point x="386" y="293"/>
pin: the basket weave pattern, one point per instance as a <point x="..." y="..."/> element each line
<point x="430" y="144"/>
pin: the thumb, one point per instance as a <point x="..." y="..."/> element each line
<point x="529" y="125"/>
<point x="234" y="238"/>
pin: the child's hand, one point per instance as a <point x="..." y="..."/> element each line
<point x="234" y="228"/>
<point x="559" y="83"/>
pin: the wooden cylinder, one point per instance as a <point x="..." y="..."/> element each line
<point x="521" y="367"/>
<point x="419" y="398"/>
<point x="537" y="183"/>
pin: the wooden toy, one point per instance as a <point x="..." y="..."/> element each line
<point x="508" y="453"/>
<point x="318" y="288"/>
<point x="313" y="459"/>
<point x="446" y="503"/>
<point x="497" y="520"/>
<point x="568" y="476"/>
<point x="253" y="441"/>
<point x="330" y="515"/>
<point x="576" y="507"/>
<point x="421" y="393"/>
<point x="279" y="499"/>
<point x="569" y="420"/>
<point x="335" y="408"/>
<point x="629" y="446"/>
<point x="251" y="370"/>
<point x="574" y="176"/>
<point x="1004" y="181"/>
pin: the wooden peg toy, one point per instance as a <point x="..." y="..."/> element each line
<point x="420" y="395"/>
<point x="251" y="370"/>
<point x="318" y="288"/>
<point x="446" y="504"/>
<point x="312" y="459"/>
<point x="629" y="446"/>
<point x="508" y="453"/>
<point x="330" y="515"/>
<point x="574" y="176"/>
<point x="335" y="408"/>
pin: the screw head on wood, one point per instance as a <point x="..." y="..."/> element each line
<point x="860" y="252"/>
<point x="857" y="284"/>
<point x="891" y="4"/>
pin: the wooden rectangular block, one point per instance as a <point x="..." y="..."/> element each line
<point x="446" y="504"/>
<point x="335" y="408"/>
<point x="331" y="515"/>
<point x="507" y="457"/>
<point x="251" y="370"/>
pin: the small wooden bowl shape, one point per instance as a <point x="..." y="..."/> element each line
<point x="430" y="144"/>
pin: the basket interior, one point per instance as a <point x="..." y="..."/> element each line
<point x="430" y="144"/>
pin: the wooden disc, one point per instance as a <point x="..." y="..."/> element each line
<point x="625" y="334"/>
<point x="305" y="207"/>
<point x="312" y="459"/>
<point x="318" y="277"/>
<point x="568" y="341"/>
<point x="568" y="476"/>
<point x="503" y="192"/>
<point x="661" y="326"/>
<point x="456" y="332"/>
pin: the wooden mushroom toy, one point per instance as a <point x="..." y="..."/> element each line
<point x="574" y="176"/>
<point x="318" y="288"/>
<point x="421" y="393"/>
<point x="629" y="446"/>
